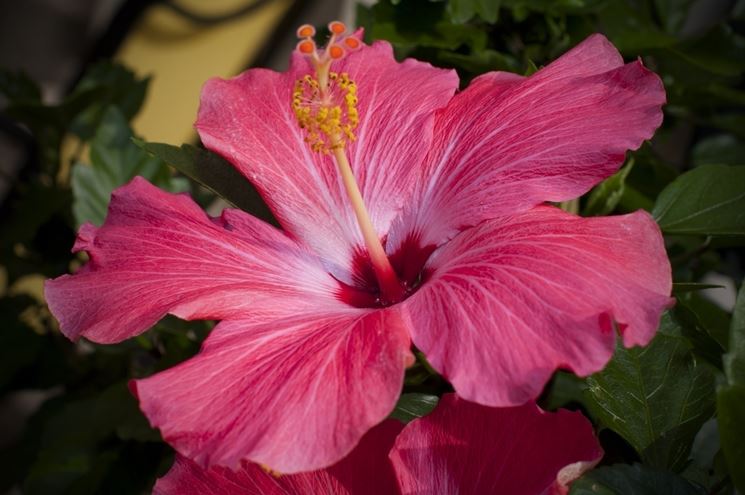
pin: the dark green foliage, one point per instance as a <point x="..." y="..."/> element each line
<point x="115" y="159"/>
<point x="621" y="479"/>
<point x="414" y="405"/>
<point x="213" y="172"/>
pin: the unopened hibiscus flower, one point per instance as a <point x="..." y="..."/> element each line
<point x="461" y="448"/>
<point x="409" y="214"/>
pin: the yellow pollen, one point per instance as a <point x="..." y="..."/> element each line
<point x="270" y="471"/>
<point x="328" y="116"/>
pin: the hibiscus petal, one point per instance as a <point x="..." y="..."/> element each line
<point x="506" y="144"/>
<point x="365" y="471"/>
<point x="159" y="253"/>
<point x="466" y="448"/>
<point x="535" y="292"/>
<point x="249" y="120"/>
<point x="294" y="395"/>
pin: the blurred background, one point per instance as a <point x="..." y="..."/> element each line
<point x="80" y="78"/>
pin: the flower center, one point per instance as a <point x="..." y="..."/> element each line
<point x="326" y="108"/>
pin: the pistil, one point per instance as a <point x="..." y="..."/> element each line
<point x="326" y="108"/>
<point x="390" y="287"/>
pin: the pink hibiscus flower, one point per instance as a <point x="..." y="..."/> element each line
<point x="409" y="214"/>
<point x="460" y="448"/>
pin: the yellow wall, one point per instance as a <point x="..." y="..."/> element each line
<point x="181" y="56"/>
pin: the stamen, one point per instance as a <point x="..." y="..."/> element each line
<point x="326" y="109"/>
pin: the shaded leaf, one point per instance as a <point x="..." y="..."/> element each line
<point x="19" y="345"/>
<point x="622" y="479"/>
<point x="682" y="322"/>
<point x="723" y="149"/>
<point x="734" y="360"/>
<point x="605" y="197"/>
<point x="419" y="23"/>
<point x="714" y="319"/>
<point x="75" y="450"/>
<point x="708" y="200"/>
<point x="632" y="28"/>
<point x="731" y="416"/>
<point x="414" y="405"/>
<point x="115" y="160"/>
<point x="566" y="388"/>
<point x="721" y="51"/>
<point x="112" y="85"/>
<point x="682" y="287"/>
<point x="464" y="10"/>
<point x="214" y="173"/>
<point x="18" y="87"/>
<point x="673" y="13"/>
<point x="656" y="397"/>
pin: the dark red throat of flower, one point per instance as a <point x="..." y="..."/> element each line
<point x="408" y="262"/>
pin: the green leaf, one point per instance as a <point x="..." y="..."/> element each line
<point x="479" y="61"/>
<point x="734" y="360"/>
<point x="19" y="345"/>
<point x="18" y="87"/>
<point x="682" y="322"/>
<point x="622" y="479"/>
<point x="732" y="122"/>
<point x="721" y="51"/>
<point x="75" y="439"/>
<point x="606" y="196"/>
<point x="214" y="173"/>
<point x="115" y="160"/>
<point x="414" y="405"/>
<point x="656" y="397"/>
<point x="683" y="287"/>
<point x="731" y="416"/>
<point x="723" y="149"/>
<point x="420" y="23"/>
<point x="708" y="200"/>
<point x="565" y="388"/>
<point x="631" y="27"/>
<point x="104" y="85"/>
<point x="463" y="10"/>
<point x="673" y="13"/>
<point x="714" y="319"/>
